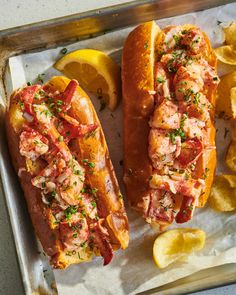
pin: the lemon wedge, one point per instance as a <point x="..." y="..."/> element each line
<point x="175" y="244"/>
<point x="96" y="72"/>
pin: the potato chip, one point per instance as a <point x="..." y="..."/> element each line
<point x="226" y="54"/>
<point x="223" y="100"/>
<point x="233" y="101"/>
<point x="230" y="34"/>
<point x="230" y="159"/>
<point x="223" y="193"/>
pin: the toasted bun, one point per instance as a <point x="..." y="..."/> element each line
<point x="138" y="103"/>
<point x="93" y="148"/>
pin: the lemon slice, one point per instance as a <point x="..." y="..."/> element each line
<point x="175" y="244"/>
<point x="95" y="71"/>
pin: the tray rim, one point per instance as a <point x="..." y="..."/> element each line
<point x="76" y="16"/>
<point x="8" y="52"/>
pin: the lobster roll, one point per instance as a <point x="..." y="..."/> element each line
<point x="169" y="85"/>
<point x="60" y="154"/>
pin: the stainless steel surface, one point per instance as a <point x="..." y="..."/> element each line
<point x="51" y="34"/>
<point x="202" y="280"/>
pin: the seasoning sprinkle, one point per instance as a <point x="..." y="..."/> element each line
<point x="63" y="50"/>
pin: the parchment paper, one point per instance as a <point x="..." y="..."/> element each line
<point x="133" y="270"/>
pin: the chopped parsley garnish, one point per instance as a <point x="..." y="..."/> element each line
<point x="172" y="137"/>
<point x="94" y="190"/>
<point x="196" y="99"/>
<point x="83" y="244"/>
<point x="90" y="164"/>
<point x="75" y="236"/>
<point x="145" y="45"/>
<point x="36" y="142"/>
<point x="170" y="66"/>
<point x="77" y="172"/>
<point x="196" y="41"/>
<point x="178" y="132"/>
<point x="181" y="134"/>
<point x="120" y="196"/>
<point x="204" y="176"/>
<point x="89" y="190"/>
<point x="80" y="256"/>
<point x="58" y="110"/>
<point x="93" y="203"/>
<point x="59" y="102"/>
<point x="160" y="80"/>
<point x="188" y="93"/>
<point x="192" y="166"/>
<point x="69" y="211"/>
<point x="184" y="117"/>
<point x="37" y="96"/>
<point x="83" y="213"/>
<point x="47" y="113"/>
<point x="29" y="84"/>
<point x="177" y="39"/>
<point x="215" y="78"/>
<point x="63" y="50"/>
<point x="60" y="138"/>
<point x="186" y="176"/>
<point x="77" y="226"/>
<point x="53" y="193"/>
<point x="40" y="77"/>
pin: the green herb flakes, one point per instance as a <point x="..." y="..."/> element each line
<point x="63" y="50"/>
<point x="60" y="138"/>
<point x="69" y="211"/>
<point x="160" y="80"/>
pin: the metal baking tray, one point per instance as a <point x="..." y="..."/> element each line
<point x="37" y="275"/>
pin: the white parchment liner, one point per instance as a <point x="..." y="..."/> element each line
<point x="133" y="270"/>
